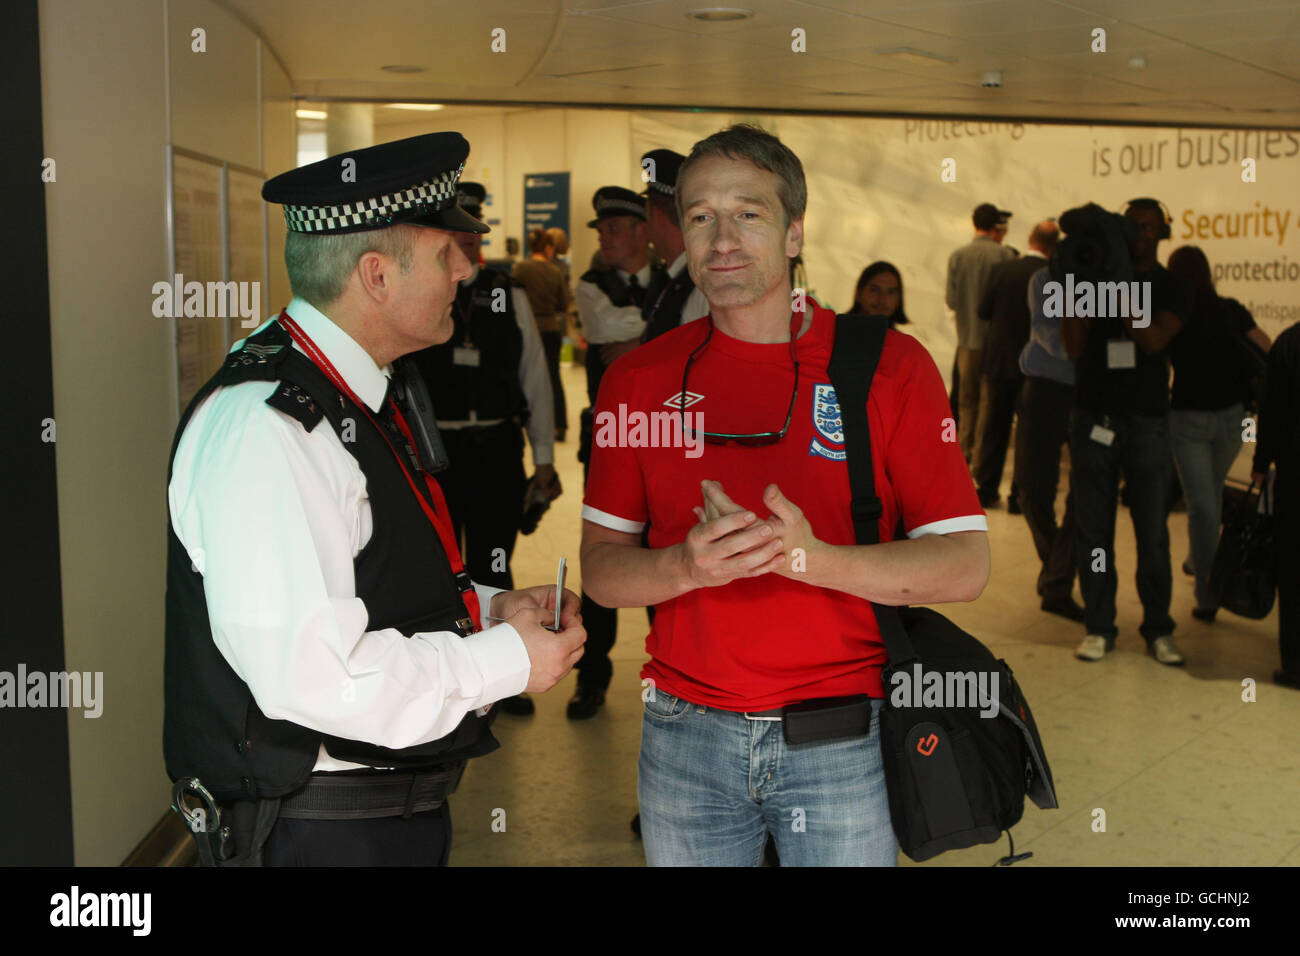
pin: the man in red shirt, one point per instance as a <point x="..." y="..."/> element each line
<point x="762" y="596"/>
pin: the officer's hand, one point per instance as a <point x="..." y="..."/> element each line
<point x="734" y="545"/>
<point x="616" y="350"/>
<point x="542" y="596"/>
<point x="549" y="481"/>
<point x="551" y="654"/>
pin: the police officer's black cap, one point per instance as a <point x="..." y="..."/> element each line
<point x="410" y="181"/>
<point x="611" y="201"/>
<point x="471" y="197"/>
<point x="662" y="167"/>
<point x="1003" y="216"/>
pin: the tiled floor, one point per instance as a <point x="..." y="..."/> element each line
<point x="1186" y="772"/>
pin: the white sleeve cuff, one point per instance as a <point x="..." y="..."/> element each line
<point x="502" y="659"/>
<point x="952" y="525"/>
<point x="613" y="522"/>
<point x="485" y="594"/>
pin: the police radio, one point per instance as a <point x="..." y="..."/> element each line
<point x="413" y="396"/>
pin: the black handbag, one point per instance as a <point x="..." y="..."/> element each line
<point x="957" y="775"/>
<point x="1242" y="578"/>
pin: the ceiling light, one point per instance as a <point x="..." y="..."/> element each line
<point x="720" y="14"/>
<point x="427" y="107"/>
<point x="1138" y="62"/>
<point x="402" y="68"/>
<point x="311" y="114"/>
<point x="913" y="55"/>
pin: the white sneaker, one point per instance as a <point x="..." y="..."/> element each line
<point x="1166" y="651"/>
<point x="1093" y="648"/>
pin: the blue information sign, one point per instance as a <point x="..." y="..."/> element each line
<point x="546" y="201"/>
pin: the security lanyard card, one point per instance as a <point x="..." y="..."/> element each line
<point x="1102" y="435"/>
<point x="1120" y="353"/>
<point x="465" y="355"/>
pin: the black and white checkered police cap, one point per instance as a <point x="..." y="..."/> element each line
<point x="410" y="181"/>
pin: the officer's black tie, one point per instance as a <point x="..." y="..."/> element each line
<point x="636" y="291"/>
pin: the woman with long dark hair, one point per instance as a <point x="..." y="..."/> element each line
<point x="880" y="292"/>
<point x="1206" y="409"/>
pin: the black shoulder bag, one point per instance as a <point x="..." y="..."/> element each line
<point x="959" y="743"/>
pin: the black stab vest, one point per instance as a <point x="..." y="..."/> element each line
<point x="213" y="729"/>
<point x="669" y="314"/>
<point x="491" y="389"/>
<point x="610" y="283"/>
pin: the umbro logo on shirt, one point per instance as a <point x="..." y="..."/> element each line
<point x="675" y="401"/>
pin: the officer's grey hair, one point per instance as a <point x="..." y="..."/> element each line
<point x="319" y="266"/>
<point x="745" y="141"/>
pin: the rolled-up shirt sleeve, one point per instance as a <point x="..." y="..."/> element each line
<point x="603" y="321"/>
<point x="272" y="516"/>
<point x="1043" y="330"/>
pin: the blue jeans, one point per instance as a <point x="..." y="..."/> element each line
<point x="1140" y="450"/>
<point x="713" y="784"/>
<point x="1204" y="444"/>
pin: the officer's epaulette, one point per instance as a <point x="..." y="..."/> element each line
<point x="294" y="401"/>
<point x="258" y="359"/>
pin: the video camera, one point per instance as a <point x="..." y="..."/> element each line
<point x="1095" y="247"/>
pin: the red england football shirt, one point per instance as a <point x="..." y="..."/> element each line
<point x="764" y="642"/>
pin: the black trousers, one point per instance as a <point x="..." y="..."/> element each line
<point x="1286" y="514"/>
<point x="1044" y="410"/>
<point x="484" y="488"/>
<point x="552" y="342"/>
<point x="997" y="410"/>
<point x="422" y="840"/>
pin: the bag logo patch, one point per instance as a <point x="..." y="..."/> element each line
<point x="926" y="746"/>
<point x="829" y="424"/>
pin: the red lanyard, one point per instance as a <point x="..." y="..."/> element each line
<point x="439" y="519"/>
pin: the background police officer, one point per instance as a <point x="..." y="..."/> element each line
<point x="672" y="298"/>
<point x="327" y="675"/>
<point x="486" y="382"/>
<point x="610" y="299"/>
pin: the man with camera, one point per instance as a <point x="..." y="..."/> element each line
<point x="762" y="596"/>
<point x="1120" y="423"/>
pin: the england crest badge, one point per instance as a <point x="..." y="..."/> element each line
<point x="829" y="424"/>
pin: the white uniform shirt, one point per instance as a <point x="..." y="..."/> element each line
<point x="603" y="321"/>
<point x="533" y="379"/>
<point x="272" y="516"/>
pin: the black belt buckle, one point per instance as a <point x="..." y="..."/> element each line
<point x="827" y="718"/>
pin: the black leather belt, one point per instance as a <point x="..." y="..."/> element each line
<point x="343" y="796"/>
<point x="776" y="714"/>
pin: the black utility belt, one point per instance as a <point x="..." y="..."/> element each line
<point x="822" y="719"/>
<point x="366" y="795"/>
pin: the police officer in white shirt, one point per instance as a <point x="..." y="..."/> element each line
<point x="610" y="298"/>
<point x="330" y="665"/>
<point x="672" y="298"/>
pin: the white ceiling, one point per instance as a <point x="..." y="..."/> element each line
<point x="1209" y="62"/>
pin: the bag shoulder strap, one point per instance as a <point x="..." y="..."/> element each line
<point x="859" y="341"/>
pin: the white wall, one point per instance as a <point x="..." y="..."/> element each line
<point x="105" y="90"/>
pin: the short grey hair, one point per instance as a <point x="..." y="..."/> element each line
<point x="746" y="141"/>
<point x="319" y="266"/>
